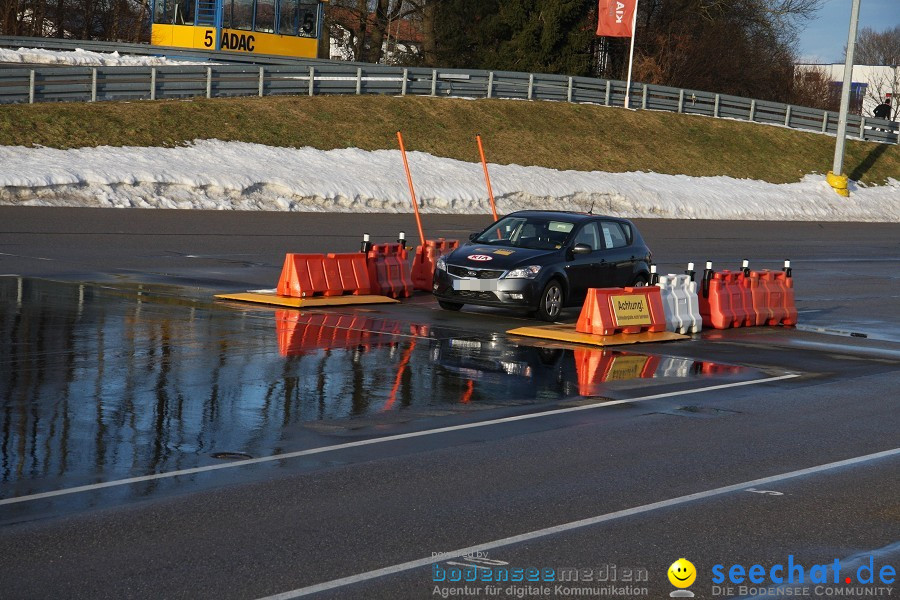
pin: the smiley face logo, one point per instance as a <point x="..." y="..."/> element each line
<point x="682" y="573"/>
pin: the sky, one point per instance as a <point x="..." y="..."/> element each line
<point x="824" y="38"/>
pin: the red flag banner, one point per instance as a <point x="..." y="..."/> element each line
<point x="616" y="17"/>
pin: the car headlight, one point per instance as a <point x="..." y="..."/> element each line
<point x="529" y="272"/>
<point x="441" y="264"/>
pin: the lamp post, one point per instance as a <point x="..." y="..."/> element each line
<point x="835" y="177"/>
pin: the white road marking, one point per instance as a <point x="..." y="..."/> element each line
<point x="381" y="440"/>
<point x="765" y="492"/>
<point x="540" y="533"/>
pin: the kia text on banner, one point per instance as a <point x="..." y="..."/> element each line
<point x="616" y="17"/>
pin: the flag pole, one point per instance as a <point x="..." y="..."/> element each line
<point x="631" y="55"/>
<point x="836" y="178"/>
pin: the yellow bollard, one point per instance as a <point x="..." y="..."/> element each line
<point x="839" y="183"/>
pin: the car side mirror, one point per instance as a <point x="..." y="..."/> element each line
<point x="582" y="249"/>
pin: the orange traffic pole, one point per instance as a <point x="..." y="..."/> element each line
<point x="412" y="191"/>
<point x="487" y="177"/>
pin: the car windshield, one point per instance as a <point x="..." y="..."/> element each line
<point x="535" y="233"/>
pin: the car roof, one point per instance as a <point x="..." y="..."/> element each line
<point x="575" y="217"/>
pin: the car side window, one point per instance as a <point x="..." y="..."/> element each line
<point x="613" y="235"/>
<point x="589" y="235"/>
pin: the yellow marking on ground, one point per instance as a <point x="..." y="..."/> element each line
<point x="314" y="302"/>
<point x="567" y="333"/>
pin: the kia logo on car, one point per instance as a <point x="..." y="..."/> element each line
<point x="480" y="257"/>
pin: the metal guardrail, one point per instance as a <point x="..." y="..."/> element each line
<point x="323" y="77"/>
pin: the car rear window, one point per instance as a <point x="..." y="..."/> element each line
<point x="613" y="235"/>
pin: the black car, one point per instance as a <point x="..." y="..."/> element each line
<point x="542" y="261"/>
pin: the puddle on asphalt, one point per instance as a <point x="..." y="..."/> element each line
<point x="102" y="383"/>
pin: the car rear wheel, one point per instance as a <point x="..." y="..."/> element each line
<point x="551" y="302"/>
<point x="449" y="305"/>
<point x="639" y="281"/>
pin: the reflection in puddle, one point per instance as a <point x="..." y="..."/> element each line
<point x="99" y="383"/>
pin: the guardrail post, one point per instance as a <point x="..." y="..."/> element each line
<point x="644" y="97"/>
<point x="405" y="78"/>
<point x="153" y="83"/>
<point x="209" y="82"/>
<point x="262" y="80"/>
<point x="490" y="90"/>
<point x="608" y="89"/>
<point x="358" y="81"/>
<point x="716" y="107"/>
<point x="787" y="116"/>
<point x="862" y="128"/>
<point x="31" y="87"/>
<point x="681" y="101"/>
<point x="530" y="86"/>
<point x="569" y="91"/>
<point x="434" y="82"/>
<point x="94" y="84"/>
<point x="752" y="110"/>
<point x="312" y="79"/>
<point x="825" y="122"/>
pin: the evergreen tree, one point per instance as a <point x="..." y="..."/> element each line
<point x="546" y="36"/>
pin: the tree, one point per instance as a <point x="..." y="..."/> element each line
<point x="361" y="27"/>
<point x="878" y="48"/>
<point x="740" y="47"/>
<point x="813" y="87"/>
<point x="548" y="36"/>
<point x="881" y="48"/>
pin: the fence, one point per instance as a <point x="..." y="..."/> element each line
<point x="322" y="77"/>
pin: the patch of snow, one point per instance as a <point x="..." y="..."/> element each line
<point x="217" y="175"/>
<point x="85" y="58"/>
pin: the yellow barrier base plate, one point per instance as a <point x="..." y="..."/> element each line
<point x="314" y="302"/>
<point x="567" y="333"/>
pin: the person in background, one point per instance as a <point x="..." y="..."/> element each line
<point x="883" y="110"/>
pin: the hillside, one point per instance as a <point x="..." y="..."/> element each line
<point x="549" y="134"/>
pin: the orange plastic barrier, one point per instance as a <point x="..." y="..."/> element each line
<point x="389" y="273"/>
<point x="778" y="294"/>
<point x="426" y="257"/>
<point x="790" y="305"/>
<point x="740" y="300"/>
<point x="608" y="311"/>
<point x="302" y="275"/>
<point x="306" y="275"/>
<point x="745" y="284"/>
<point x="748" y="298"/>
<point x="715" y="302"/>
<point x="352" y="272"/>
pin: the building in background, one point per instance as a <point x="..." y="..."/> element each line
<point x="402" y="38"/>
<point x="871" y="85"/>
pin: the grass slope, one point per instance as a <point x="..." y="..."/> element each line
<point x="550" y="134"/>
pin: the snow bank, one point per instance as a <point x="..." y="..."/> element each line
<point x="84" y="58"/>
<point x="239" y="176"/>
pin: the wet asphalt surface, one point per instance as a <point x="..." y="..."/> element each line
<point x="115" y="363"/>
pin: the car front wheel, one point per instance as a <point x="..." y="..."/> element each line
<point x="551" y="302"/>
